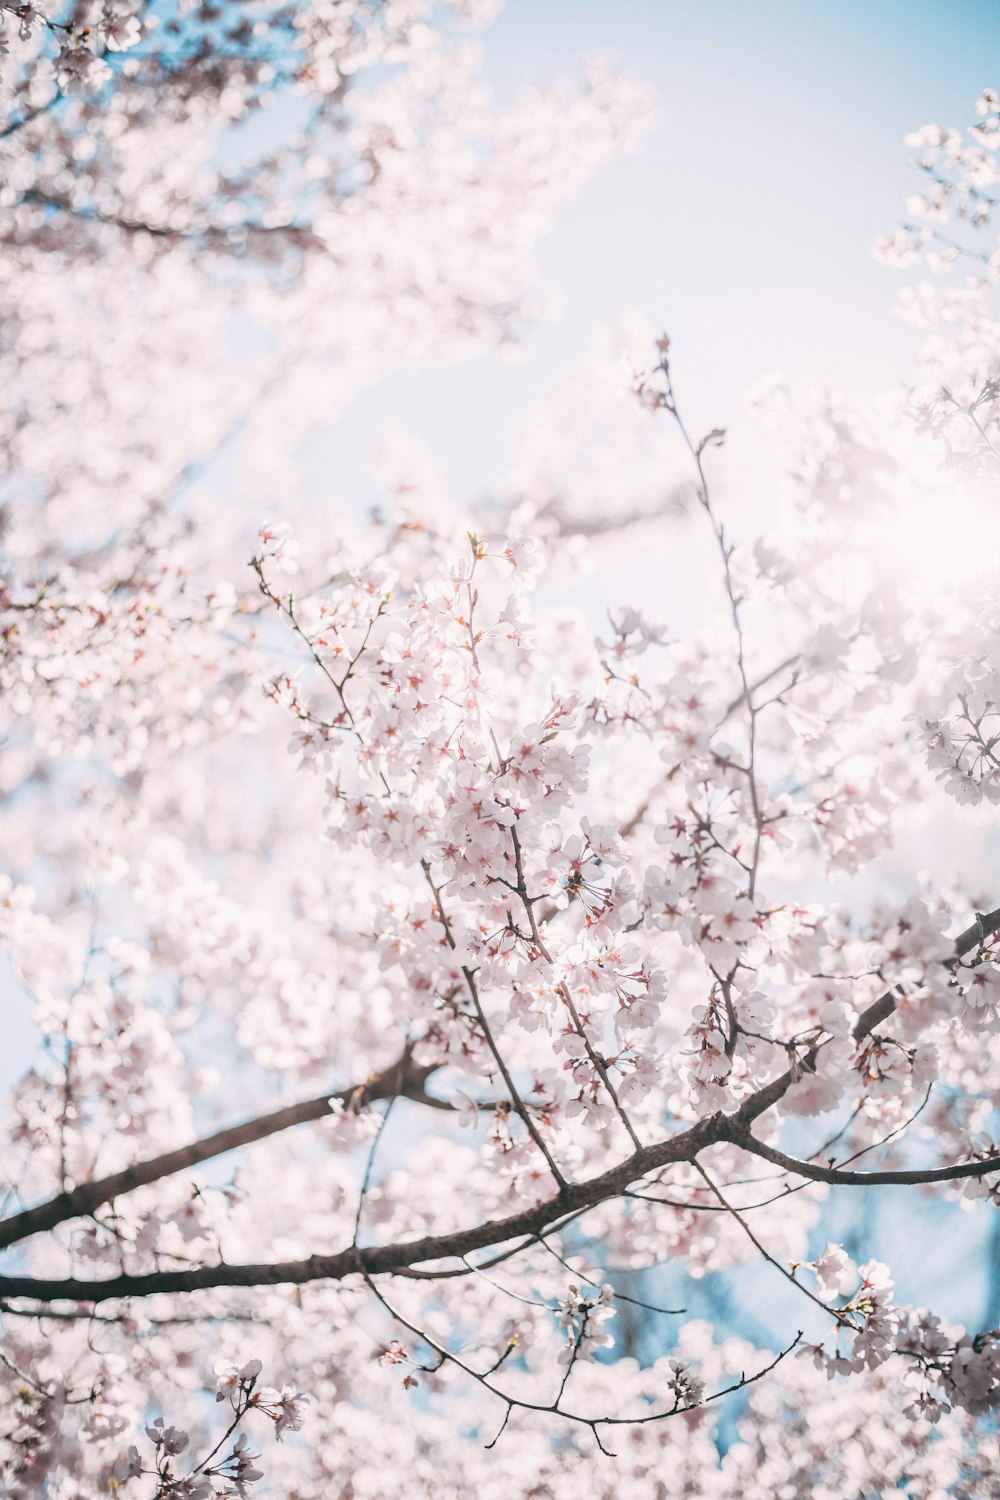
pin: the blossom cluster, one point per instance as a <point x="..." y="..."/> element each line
<point x="583" y="1317"/>
<point x="398" y="937"/>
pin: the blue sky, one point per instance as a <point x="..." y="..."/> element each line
<point x="743" y="225"/>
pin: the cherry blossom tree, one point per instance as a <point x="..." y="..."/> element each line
<point x="411" y="969"/>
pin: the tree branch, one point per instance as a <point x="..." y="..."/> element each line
<point x="401" y="1078"/>
<point x="384" y="1259"/>
<point x="300" y="234"/>
<point x="839" y="1176"/>
<point x="390" y="1259"/>
<point x="984" y="926"/>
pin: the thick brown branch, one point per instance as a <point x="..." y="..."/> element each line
<point x="385" y="1259"/>
<point x="399" y="1258"/>
<point x="879" y="1010"/>
<point x="401" y="1078"/>
<point x="838" y="1176"/>
<point x="983" y="927"/>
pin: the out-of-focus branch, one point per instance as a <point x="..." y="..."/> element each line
<point x="299" y="234"/>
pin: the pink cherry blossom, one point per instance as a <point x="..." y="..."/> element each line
<point x="429" y="954"/>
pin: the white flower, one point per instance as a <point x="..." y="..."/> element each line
<point x="129" y="1467"/>
<point x="241" y="1464"/>
<point x="688" y="1389"/>
<point x="284" y="1407"/>
<point x="121" y="30"/>
<point x="170" y="1439"/>
<point x="280" y="546"/>
<point x="468" y="1109"/>
<point x="231" y="1377"/>
<point x="835" y="1272"/>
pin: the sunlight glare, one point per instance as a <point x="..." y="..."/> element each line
<point x="934" y="541"/>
